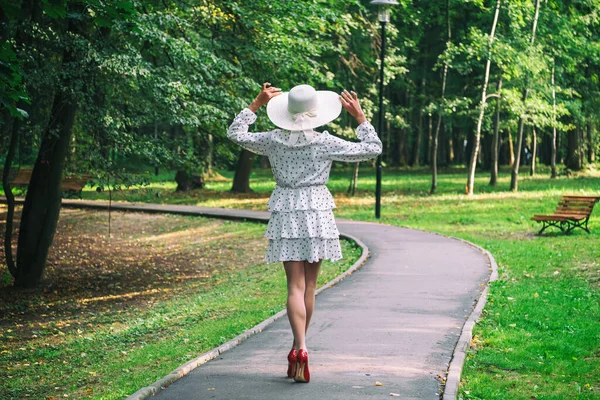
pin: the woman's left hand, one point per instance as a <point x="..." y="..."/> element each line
<point x="266" y="94"/>
<point x="351" y="104"/>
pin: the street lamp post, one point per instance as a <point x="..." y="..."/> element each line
<point x="384" y="17"/>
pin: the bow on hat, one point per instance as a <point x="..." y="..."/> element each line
<point x="301" y="120"/>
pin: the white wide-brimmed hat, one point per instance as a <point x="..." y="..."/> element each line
<point x="304" y="108"/>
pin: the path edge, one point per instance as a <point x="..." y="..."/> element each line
<point x="152" y="389"/>
<point x="457" y="361"/>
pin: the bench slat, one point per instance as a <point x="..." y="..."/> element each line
<point x="580" y="197"/>
<point x="586" y="209"/>
<point x="549" y="218"/>
<point x="578" y="204"/>
<point x="576" y="210"/>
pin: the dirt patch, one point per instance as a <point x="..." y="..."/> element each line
<point x="148" y="258"/>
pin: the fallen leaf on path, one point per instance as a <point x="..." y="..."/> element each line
<point x="378" y="383"/>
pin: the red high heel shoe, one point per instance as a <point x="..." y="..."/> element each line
<point x="302" y="372"/>
<point x="291" y="372"/>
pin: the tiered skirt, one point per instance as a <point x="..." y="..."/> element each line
<point x="302" y="226"/>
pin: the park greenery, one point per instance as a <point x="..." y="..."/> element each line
<point x="538" y="336"/>
<point x="491" y="113"/>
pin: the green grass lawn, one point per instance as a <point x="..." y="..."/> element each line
<point x="539" y="336"/>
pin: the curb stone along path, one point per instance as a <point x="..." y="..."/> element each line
<point x="397" y="321"/>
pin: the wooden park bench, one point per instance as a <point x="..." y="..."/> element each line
<point x="572" y="212"/>
<point x="72" y="186"/>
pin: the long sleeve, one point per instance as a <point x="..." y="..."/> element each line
<point x="342" y="150"/>
<point x="257" y="142"/>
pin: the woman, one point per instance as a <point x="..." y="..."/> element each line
<point x="302" y="230"/>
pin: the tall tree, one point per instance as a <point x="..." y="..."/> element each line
<point x="496" y="140"/>
<point x="515" y="170"/>
<point x="482" y="103"/>
<point x="42" y="202"/>
<point x="554" y="173"/>
<point x="436" y="134"/>
<point x="72" y="21"/>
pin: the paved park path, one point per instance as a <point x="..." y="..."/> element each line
<point x="396" y="321"/>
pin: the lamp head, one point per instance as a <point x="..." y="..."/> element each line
<point x="384" y="9"/>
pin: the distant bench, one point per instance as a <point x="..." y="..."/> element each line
<point x="71" y="186"/>
<point x="572" y="212"/>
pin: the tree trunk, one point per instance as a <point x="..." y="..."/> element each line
<point x="42" y="202"/>
<point x="11" y="128"/>
<point x="241" y="179"/>
<point x="434" y="154"/>
<point x="496" y="139"/>
<point x="514" y="178"/>
<point x="448" y="131"/>
<point x="511" y="148"/>
<point x="473" y="161"/>
<point x="187" y="181"/>
<point x="401" y="143"/>
<point x="459" y="145"/>
<point x="264" y="162"/>
<point x="590" y="142"/>
<point x="434" y="147"/>
<point x="353" y="180"/>
<point x="574" y="150"/>
<point x="210" y="155"/>
<point x="485" y="153"/>
<point x="436" y="136"/>
<point x="429" y="140"/>
<point x="442" y="145"/>
<point x="533" y="151"/>
<point x="404" y="133"/>
<point x="554" y="174"/>
<point x="417" y="144"/>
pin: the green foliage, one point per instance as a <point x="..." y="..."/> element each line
<point x="12" y="91"/>
<point x="160" y="81"/>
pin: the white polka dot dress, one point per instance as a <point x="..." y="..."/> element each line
<point x="302" y="226"/>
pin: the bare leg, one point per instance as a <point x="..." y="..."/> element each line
<point x="296" y="309"/>
<point x="311" y="273"/>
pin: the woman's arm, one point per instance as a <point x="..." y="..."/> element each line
<point x="259" y="142"/>
<point x="342" y="150"/>
<point x="369" y="146"/>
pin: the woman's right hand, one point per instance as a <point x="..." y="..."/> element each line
<point x="267" y="93"/>
<point x="351" y="104"/>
